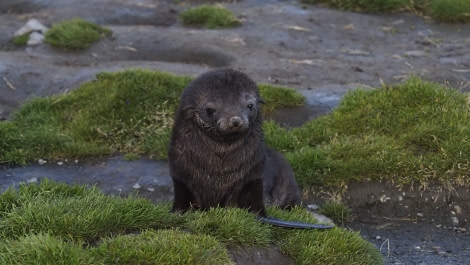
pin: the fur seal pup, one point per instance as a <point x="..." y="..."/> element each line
<point x="217" y="154"/>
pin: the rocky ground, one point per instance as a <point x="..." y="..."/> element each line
<point x="321" y="52"/>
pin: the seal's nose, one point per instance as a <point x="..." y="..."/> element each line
<point x="236" y="121"/>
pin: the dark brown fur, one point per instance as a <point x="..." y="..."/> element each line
<point x="217" y="152"/>
<point x="280" y="187"/>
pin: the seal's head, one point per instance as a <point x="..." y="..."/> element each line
<point x="223" y="103"/>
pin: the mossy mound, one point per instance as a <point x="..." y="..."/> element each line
<point x="53" y="223"/>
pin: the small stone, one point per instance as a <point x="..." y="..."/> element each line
<point x="355" y="52"/>
<point x="32" y="180"/>
<point x="398" y="22"/>
<point x="151" y="189"/>
<point x="455" y="220"/>
<point x="452" y="212"/>
<point x="41" y="161"/>
<point x="35" y="38"/>
<point x="321" y="218"/>
<point x="463" y="230"/>
<point x="378" y="238"/>
<point x="420" y="214"/>
<point x="76" y="161"/>
<point x="313" y="207"/>
<point x="384" y="198"/>
<point x="33" y="25"/>
<point x="136" y="186"/>
<point x="400" y="198"/>
<point x="457" y="209"/>
<point x="60" y="163"/>
<point x="415" y="53"/>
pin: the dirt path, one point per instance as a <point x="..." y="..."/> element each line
<point x="321" y="52"/>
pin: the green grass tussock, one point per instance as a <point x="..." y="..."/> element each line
<point x="209" y="16"/>
<point x="11" y="144"/>
<point x="334" y="246"/>
<point x="43" y="248"/>
<point x="75" y="34"/>
<point x="128" y="112"/>
<point x="362" y="5"/>
<point x="336" y="211"/>
<point x="450" y="11"/>
<point x="440" y="10"/>
<point x="413" y="133"/>
<point x="77" y="214"/>
<point x="146" y="247"/>
<point x="162" y="247"/>
<point x="20" y="40"/>
<point x="236" y="227"/>
<point x="53" y="223"/>
<point x="279" y="97"/>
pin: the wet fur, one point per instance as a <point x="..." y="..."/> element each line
<point x="217" y="153"/>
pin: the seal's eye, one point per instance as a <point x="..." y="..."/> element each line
<point x="210" y="112"/>
<point x="250" y="106"/>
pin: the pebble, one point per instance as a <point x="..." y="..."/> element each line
<point x="419" y="214"/>
<point x="136" y="186"/>
<point x="313" y="207"/>
<point x="35" y="38"/>
<point x="457" y="209"/>
<point x="41" y="161"/>
<point x="60" y="163"/>
<point x="455" y="220"/>
<point x="35" y="29"/>
<point x="398" y="22"/>
<point x="355" y="52"/>
<point x="384" y="198"/>
<point x="151" y="189"/>
<point x="378" y="238"/>
<point x="32" y="180"/>
<point x="33" y="25"/>
<point x="415" y="53"/>
<point x="321" y="218"/>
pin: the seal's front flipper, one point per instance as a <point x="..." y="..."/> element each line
<point x="291" y="224"/>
